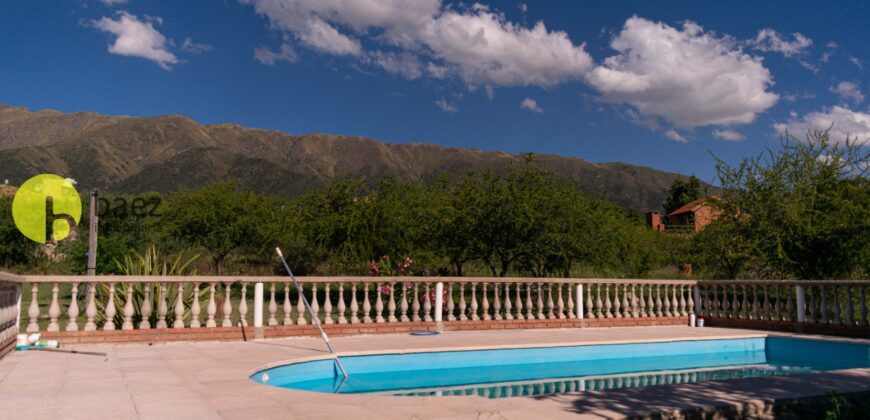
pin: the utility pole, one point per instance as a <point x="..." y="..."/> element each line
<point x="92" y="233"/>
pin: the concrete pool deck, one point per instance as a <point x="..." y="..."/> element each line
<point x="205" y="380"/>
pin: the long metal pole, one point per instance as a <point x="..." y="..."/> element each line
<point x="311" y="311"/>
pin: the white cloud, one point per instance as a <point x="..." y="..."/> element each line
<point x="845" y="122"/>
<point x="849" y="91"/>
<point x="446" y="106"/>
<point x="688" y="77"/>
<point x="531" y="105"/>
<point x="675" y="136"/>
<point x="113" y="2"/>
<point x="728" y="135"/>
<point x="137" y="38"/>
<point x="268" y="57"/>
<point x="476" y="44"/>
<point x="404" y="64"/>
<point x="194" y="47"/>
<point x="769" y="40"/>
<point x="857" y="62"/>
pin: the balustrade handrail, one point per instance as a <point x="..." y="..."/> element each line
<point x="785" y="282"/>
<point x="337" y="279"/>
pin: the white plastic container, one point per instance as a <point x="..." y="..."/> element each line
<point x="700" y="321"/>
<point x="691" y="320"/>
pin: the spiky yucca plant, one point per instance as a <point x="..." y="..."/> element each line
<point x="149" y="264"/>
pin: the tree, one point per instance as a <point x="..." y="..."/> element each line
<point x="682" y="193"/>
<point x="15" y="248"/>
<point x="803" y="210"/>
<point x="216" y="218"/>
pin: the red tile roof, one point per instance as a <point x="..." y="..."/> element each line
<point x="689" y="207"/>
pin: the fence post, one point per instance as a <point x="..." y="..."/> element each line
<point x="258" y="310"/>
<point x="439" y="305"/>
<point x="579" y="300"/>
<point x="801" y="304"/>
<point x="696" y="295"/>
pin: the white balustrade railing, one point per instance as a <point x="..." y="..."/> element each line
<point x="804" y="302"/>
<point x="139" y="302"/>
<point x="10" y="304"/>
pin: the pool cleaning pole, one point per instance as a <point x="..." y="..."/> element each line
<point x="310" y="311"/>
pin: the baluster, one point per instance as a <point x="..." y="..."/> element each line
<point x="427" y="304"/>
<point x="823" y="306"/>
<point x="110" y="309"/>
<point x="228" y="306"/>
<point x="529" y="308"/>
<point x="300" y="307"/>
<point x="404" y="303"/>
<point x="450" y="306"/>
<point x="658" y="305"/>
<point x="650" y="303"/>
<point x="635" y="306"/>
<point x="617" y="305"/>
<point x="674" y="303"/>
<point x="462" y="315"/>
<point x="146" y="308"/>
<point x="391" y="305"/>
<point x="286" y="306"/>
<point x="195" y="308"/>
<point x="571" y="312"/>
<point x="484" y="303"/>
<point x="756" y="314"/>
<point x="179" y="307"/>
<point x="626" y="301"/>
<point x="683" y="300"/>
<point x="560" y="303"/>
<point x="315" y="304"/>
<point x="243" y="306"/>
<point x="850" y="308"/>
<point x="33" y="309"/>
<point x="767" y="308"/>
<point x="690" y="299"/>
<point x="128" y="308"/>
<point x="588" y="292"/>
<point x="379" y="304"/>
<point x="496" y="303"/>
<point x="607" y="307"/>
<point x="341" y="306"/>
<point x="836" y="296"/>
<point x="744" y="304"/>
<point x="726" y="304"/>
<point x="864" y="320"/>
<point x="327" y="306"/>
<point x="540" y="301"/>
<point x="273" y="306"/>
<point x="474" y="316"/>
<point x="778" y="306"/>
<point x="54" y="309"/>
<point x="518" y="302"/>
<point x="354" y="306"/>
<point x="415" y="305"/>
<point x="735" y="302"/>
<point x="667" y="302"/>
<point x="73" y="310"/>
<point x="550" y="304"/>
<point x="162" y="309"/>
<point x="211" y="309"/>
<point x="811" y="303"/>
<point x="789" y="306"/>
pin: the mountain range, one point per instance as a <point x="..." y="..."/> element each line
<point x="123" y="154"/>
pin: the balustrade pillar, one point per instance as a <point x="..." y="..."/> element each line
<point x="450" y="307"/>
<point x="473" y="307"/>
<point x="211" y="308"/>
<point x="33" y="309"/>
<point x="341" y="307"/>
<point x="146" y="308"/>
<point x="273" y="306"/>
<point x="243" y="307"/>
<point x="110" y="311"/>
<point x="179" y="306"/>
<point x="161" y="306"/>
<point x="327" y="306"/>
<point x="195" y="308"/>
<point x="54" y="309"/>
<point x="128" y="308"/>
<point x="287" y="306"/>
<point x="73" y="310"/>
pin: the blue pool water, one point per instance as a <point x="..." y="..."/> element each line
<point x="540" y="371"/>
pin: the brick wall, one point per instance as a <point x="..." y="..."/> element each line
<point x="789" y="326"/>
<point x="338" y="330"/>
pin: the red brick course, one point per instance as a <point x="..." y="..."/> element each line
<point x="791" y="326"/>
<point x="338" y="330"/>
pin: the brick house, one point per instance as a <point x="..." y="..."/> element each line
<point x="692" y="217"/>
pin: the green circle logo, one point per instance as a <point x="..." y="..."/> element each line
<point x="46" y="207"/>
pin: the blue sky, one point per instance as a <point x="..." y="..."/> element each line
<point x="656" y="83"/>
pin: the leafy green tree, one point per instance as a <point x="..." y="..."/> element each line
<point x="15" y="249"/>
<point x="216" y="218"/>
<point x="681" y="193"/>
<point x="803" y="211"/>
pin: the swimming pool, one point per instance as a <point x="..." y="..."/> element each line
<point x="500" y="373"/>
